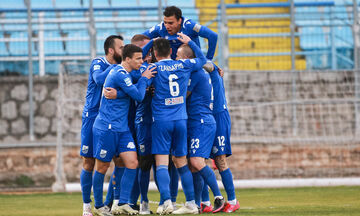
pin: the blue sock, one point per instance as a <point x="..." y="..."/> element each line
<point x="210" y="179"/>
<point x="198" y="186"/>
<point x="227" y="180"/>
<point x="86" y="184"/>
<point x="98" y="182"/>
<point x="187" y="182"/>
<point x="205" y="193"/>
<point x="174" y="182"/>
<point x="144" y="179"/>
<point x="119" y="171"/>
<point x="135" y="192"/>
<point x="126" y="185"/>
<point x="157" y="185"/>
<point x="163" y="179"/>
<point x="110" y="193"/>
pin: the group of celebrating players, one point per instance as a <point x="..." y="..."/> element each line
<point x="156" y="103"/>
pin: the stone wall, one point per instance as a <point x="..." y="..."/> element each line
<point x="14" y="110"/>
<point x="249" y="160"/>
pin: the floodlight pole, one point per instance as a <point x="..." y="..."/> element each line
<point x="92" y="31"/>
<point x="30" y="68"/>
<point x="59" y="184"/>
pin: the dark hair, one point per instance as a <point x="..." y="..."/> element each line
<point x="139" y="37"/>
<point x="162" y="47"/>
<point x="173" y="11"/>
<point x="129" y="50"/>
<point x="109" y="42"/>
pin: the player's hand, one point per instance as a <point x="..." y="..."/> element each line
<point x="149" y="72"/>
<point x="183" y="38"/>
<point x="221" y="72"/>
<point x="110" y="93"/>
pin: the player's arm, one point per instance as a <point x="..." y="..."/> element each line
<point x="207" y="33"/>
<point x="200" y="59"/>
<point x="147" y="48"/>
<point x="99" y="75"/>
<point x="136" y="92"/>
<point x="153" y="32"/>
<point x="212" y="37"/>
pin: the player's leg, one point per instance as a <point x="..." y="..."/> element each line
<point x="146" y="160"/>
<point x="222" y="149"/>
<point x="174" y="182"/>
<point x="201" y="140"/>
<point x="127" y="149"/>
<point x="104" y="142"/>
<point x="205" y="205"/>
<point x="179" y="155"/>
<point x="86" y="151"/>
<point x="118" y="173"/>
<point x="135" y="192"/>
<point x="161" y="132"/>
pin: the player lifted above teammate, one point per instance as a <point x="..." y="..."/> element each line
<point x="174" y="23"/>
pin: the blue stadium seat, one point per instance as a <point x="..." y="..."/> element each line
<point x="183" y="3"/>
<point x="41" y="4"/>
<point x="78" y="47"/>
<point x="53" y="47"/>
<point x="68" y="4"/>
<point x="313" y="38"/>
<point x="124" y="3"/>
<point x="12" y="4"/>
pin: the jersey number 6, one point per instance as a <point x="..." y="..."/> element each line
<point x="173" y="85"/>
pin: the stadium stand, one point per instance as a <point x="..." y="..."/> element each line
<point x="259" y="37"/>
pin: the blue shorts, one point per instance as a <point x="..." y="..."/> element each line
<point x="201" y="139"/>
<point x="143" y="136"/>
<point x="86" y="149"/>
<point x="222" y="144"/>
<point x="111" y="143"/>
<point x="169" y="137"/>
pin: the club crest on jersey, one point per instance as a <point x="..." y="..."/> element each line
<point x="174" y="101"/>
<point x="192" y="61"/>
<point x="131" y="145"/>
<point x="85" y="149"/>
<point x="142" y="148"/>
<point x="193" y="151"/>
<point x="96" y="67"/>
<point x="103" y="153"/>
<point x="215" y="150"/>
<point x="127" y="81"/>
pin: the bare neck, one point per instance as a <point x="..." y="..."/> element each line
<point x="110" y="59"/>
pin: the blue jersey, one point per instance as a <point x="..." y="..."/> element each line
<point x="220" y="103"/>
<point x="113" y="113"/>
<point x="171" y="83"/>
<point x="200" y="102"/>
<point x="96" y="80"/>
<point x="191" y="29"/>
<point x="143" y="109"/>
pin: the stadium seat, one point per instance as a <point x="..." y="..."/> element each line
<point x="53" y="47"/>
<point x="41" y="4"/>
<point x="124" y="3"/>
<point x="18" y="4"/>
<point x="78" y="47"/>
<point x="67" y="4"/>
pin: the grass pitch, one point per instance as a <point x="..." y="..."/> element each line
<point x="308" y="201"/>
